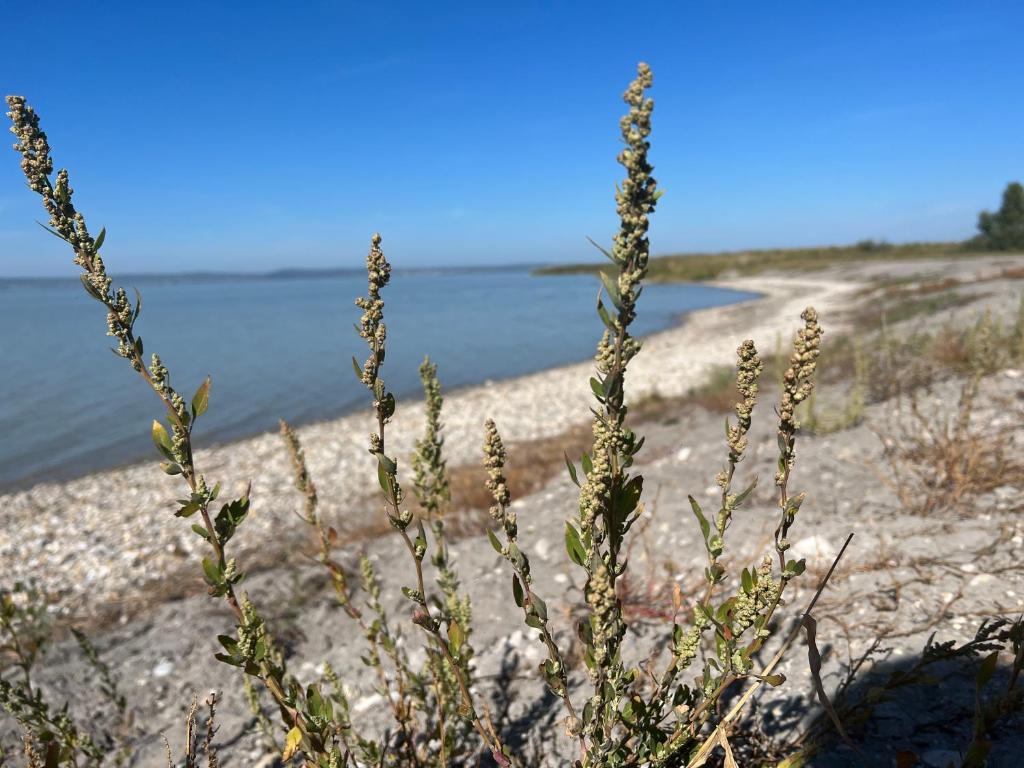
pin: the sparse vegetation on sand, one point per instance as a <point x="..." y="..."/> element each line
<point x="708" y="266"/>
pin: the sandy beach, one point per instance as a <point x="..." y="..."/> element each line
<point x="104" y="538"/>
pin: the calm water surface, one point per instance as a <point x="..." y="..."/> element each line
<point x="275" y="347"/>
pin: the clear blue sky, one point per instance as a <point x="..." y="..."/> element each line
<point x="260" y="135"/>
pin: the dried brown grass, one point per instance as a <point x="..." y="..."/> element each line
<point x="939" y="463"/>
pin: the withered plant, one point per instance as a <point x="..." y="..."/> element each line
<point x="940" y="461"/>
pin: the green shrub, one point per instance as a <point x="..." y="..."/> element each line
<point x="618" y="713"/>
<point x="1004" y="229"/>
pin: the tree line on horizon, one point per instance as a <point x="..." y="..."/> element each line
<point x="1004" y="229"/>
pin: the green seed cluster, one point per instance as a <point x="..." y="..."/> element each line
<point x="430" y="472"/>
<point x="37" y="165"/>
<point x="251" y="630"/>
<point x="604" y="606"/>
<point x="748" y="371"/>
<point x="68" y="224"/>
<point x="494" y="462"/>
<point x="303" y="482"/>
<point x="636" y="198"/>
<point x="797" y="384"/>
<point x="750" y="604"/>
<point x="371" y="324"/>
<point x="596" y="490"/>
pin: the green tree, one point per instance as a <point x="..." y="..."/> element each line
<point x="1004" y="229"/>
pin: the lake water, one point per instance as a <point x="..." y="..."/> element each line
<point x="275" y="347"/>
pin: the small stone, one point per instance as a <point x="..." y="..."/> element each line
<point x="683" y="454"/>
<point x="163" y="668"/>
<point x="367" y="702"/>
<point x="814" y="548"/>
<point x="542" y="549"/>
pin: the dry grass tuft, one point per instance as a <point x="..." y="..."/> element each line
<point x="941" y="463"/>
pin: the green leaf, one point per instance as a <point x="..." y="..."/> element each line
<point x="573" y="545"/>
<point x="188" y="509"/>
<point x="796" y="567"/>
<point x="517" y="591"/>
<point x="201" y="531"/>
<point x="162" y="440"/>
<point x="597" y="388"/>
<point x="420" y="542"/>
<point x="389" y="464"/>
<point x="587" y="464"/>
<point x="572" y="469"/>
<point x="98" y="242"/>
<point x="201" y="399"/>
<point x="747" y="580"/>
<point x="455" y="635"/>
<point x="746" y="492"/>
<point x="171" y="468"/>
<point x="357" y="368"/>
<point x="494" y="541"/>
<point x="383" y="478"/>
<point x="605" y="317"/>
<point x="705" y="526"/>
<point x="539" y="606"/>
<point x="413" y="594"/>
<point x="53" y="232"/>
<point x="212" y="571"/>
<point x="612" y="289"/>
<point x="607" y="254"/>
<point x="629" y="497"/>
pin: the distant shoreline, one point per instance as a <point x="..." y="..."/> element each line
<point x="743" y="261"/>
<point x="277" y="274"/>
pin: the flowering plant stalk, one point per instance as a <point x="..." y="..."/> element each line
<point x="633" y="716"/>
<point x="302" y="710"/>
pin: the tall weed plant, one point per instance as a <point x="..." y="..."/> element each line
<point x="666" y="710"/>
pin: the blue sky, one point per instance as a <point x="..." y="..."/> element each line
<point x="258" y="135"/>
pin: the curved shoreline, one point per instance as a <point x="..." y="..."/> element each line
<point x="103" y="537"/>
<point x="45" y="449"/>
